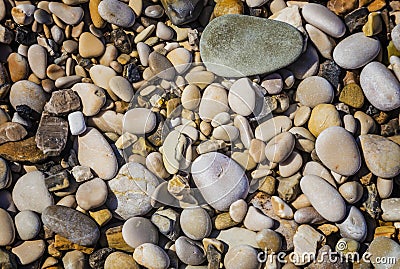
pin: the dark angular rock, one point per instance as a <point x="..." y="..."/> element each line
<point x="121" y="41"/>
<point x="182" y="11"/>
<point x="22" y="151"/>
<point x="57" y="182"/>
<point x="331" y="72"/>
<point x="356" y="19"/>
<point x="52" y="134"/>
<point x="24" y="36"/>
<point x="63" y="102"/>
<point x="71" y="224"/>
<point x="98" y="258"/>
<point x="391" y="128"/>
<point x="131" y="73"/>
<point x="11" y="131"/>
<point x="28" y="113"/>
<point x="5" y="82"/>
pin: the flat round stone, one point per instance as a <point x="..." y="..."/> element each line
<point x="138" y="230"/>
<point x="324" y="198"/>
<point x="139" y="121"/>
<point x="348" y="55"/>
<point x="313" y="91"/>
<point x="71" y="224"/>
<point x="151" y="256"/>
<point x="322" y="117"/>
<point x="337" y="150"/>
<point x="195" y="223"/>
<point x="280" y="147"/>
<point x="380" y="86"/>
<point x="90" y="46"/>
<point x="381" y="155"/>
<point x="92" y="194"/>
<point x="117" y="13"/>
<point x="216" y="176"/>
<point x="30" y="193"/>
<point x="28" y="224"/>
<point x="269" y="45"/>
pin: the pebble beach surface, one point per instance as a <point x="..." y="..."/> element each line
<point x="199" y="134"/>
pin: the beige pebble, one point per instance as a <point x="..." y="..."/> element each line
<point x="257" y="150"/>
<point x="302" y="115"/>
<point x="280" y="147"/>
<point x="191" y="97"/>
<point x="155" y="164"/>
<point x="90" y="46"/>
<point x="37" y="58"/>
<point x="238" y="210"/>
<point x="29" y="251"/>
<point x="180" y="59"/>
<point x="92" y="194"/>
<point x="256" y="221"/>
<point x="92" y="97"/>
<point x="291" y="165"/>
<point x="281" y="209"/>
<point x="322" y="117"/>
<point x="122" y="88"/>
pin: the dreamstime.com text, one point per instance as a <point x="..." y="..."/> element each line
<point x="332" y="257"/>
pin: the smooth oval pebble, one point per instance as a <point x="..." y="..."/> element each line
<point x="338" y="150"/>
<point x="69" y="14"/>
<point x="270" y="45"/>
<point x="195" y="223"/>
<point x="71" y="224"/>
<point x="238" y="210"/>
<point x="308" y="215"/>
<point x="242" y="97"/>
<point x="161" y="66"/>
<point x="30" y="193"/>
<point x="395" y="34"/>
<point x="385" y="187"/>
<point x="189" y="251"/>
<point x="272" y="127"/>
<point x="90" y="46"/>
<point x="28" y="224"/>
<point x="348" y="55"/>
<point x="18" y="67"/>
<point x="382" y="156"/>
<point x="191" y="97"/>
<point x="91" y="194"/>
<point x="151" y="256"/>
<point x="232" y="184"/>
<point x="291" y="165"/>
<point x="380" y="86"/>
<point x="227" y="133"/>
<point x="7" y="231"/>
<point x="122" y="88"/>
<point x="307" y="65"/>
<point x="213" y="102"/>
<point x="324" y="19"/>
<point x="95" y="152"/>
<point x="137" y="231"/>
<point x="324" y="198"/>
<point x="139" y="121"/>
<point x="117" y="13"/>
<point x="313" y="91"/>
<point x="351" y="191"/>
<point x="241" y="257"/>
<point x="354" y="225"/>
<point x="120" y="259"/>
<point x="180" y="58"/>
<point x="25" y="92"/>
<point x="280" y="147"/>
<point x="322" y="117"/>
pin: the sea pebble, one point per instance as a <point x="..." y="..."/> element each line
<point x="195" y="223"/>
<point x="30" y="193"/>
<point x="242" y="97"/>
<point x="189" y="251"/>
<point x="380" y="86"/>
<point x="382" y="247"/>
<point x="122" y="88"/>
<point x="117" y="13"/>
<point x="68" y="14"/>
<point x="348" y="55"/>
<point x="324" y="197"/>
<point x="223" y="56"/>
<point x="91" y="194"/>
<point x="255" y="220"/>
<point x="7" y="232"/>
<point x="28" y="224"/>
<point x="151" y="256"/>
<point x="139" y="121"/>
<point x="382" y="156"/>
<point x="137" y="231"/>
<point x="92" y="97"/>
<point x="131" y="190"/>
<point x="71" y="224"/>
<point x="334" y="142"/>
<point x="232" y="184"/>
<point x="27" y="93"/>
<point x="280" y="147"/>
<point x="95" y="152"/>
<point x="324" y="19"/>
<point x="354" y="225"/>
<point x="241" y="257"/>
<point x="76" y="122"/>
<point x="238" y="210"/>
<point x="29" y="251"/>
<point x="313" y="91"/>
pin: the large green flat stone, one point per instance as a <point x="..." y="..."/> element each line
<point x="239" y="45"/>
